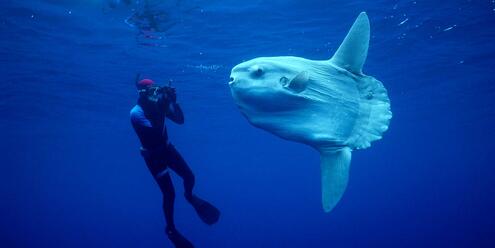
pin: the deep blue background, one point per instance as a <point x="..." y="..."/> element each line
<point x="71" y="174"/>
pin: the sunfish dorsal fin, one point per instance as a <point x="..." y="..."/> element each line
<point x="352" y="53"/>
<point x="334" y="176"/>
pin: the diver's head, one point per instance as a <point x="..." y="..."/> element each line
<point x="143" y="87"/>
<point x="143" y="84"/>
<point x="151" y="93"/>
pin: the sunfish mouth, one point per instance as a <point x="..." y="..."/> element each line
<point x="243" y="85"/>
<point x="231" y="81"/>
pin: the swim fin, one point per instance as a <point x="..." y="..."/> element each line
<point x="177" y="239"/>
<point x="208" y="213"/>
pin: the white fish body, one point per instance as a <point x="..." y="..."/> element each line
<point x="330" y="105"/>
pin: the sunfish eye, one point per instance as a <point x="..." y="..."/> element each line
<point x="257" y="70"/>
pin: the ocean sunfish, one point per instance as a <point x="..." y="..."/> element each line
<point x="329" y="104"/>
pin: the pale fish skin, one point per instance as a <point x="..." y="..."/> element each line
<point x="329" y="105"/>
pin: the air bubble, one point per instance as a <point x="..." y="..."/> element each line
<point x="450" y="28"/>
<point x="404" y="21"/>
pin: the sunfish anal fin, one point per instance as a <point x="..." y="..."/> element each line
<point x="334" y="176"/>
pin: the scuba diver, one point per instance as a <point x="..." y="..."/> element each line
<point x="154" y="104"/>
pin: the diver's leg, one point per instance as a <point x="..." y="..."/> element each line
<point x="206" y="211"/>
<point x="179" y="166"/>
<point x="158" y="169"/>
<point x="157" y="166"/>
<point x="168" y="193"/>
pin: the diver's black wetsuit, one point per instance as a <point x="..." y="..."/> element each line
<point x="148" y="120"/>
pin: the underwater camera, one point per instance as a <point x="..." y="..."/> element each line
<point x="154" y="93"/>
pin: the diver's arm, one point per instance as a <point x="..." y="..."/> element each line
<point x="141" y="122"/>
<point x="174" y="113"/>
<point x="172" y="108"/>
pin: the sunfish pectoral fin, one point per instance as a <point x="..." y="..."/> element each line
<point x="353" y="51"/>
<point x="334" y="176"/>
<point x="299" y="82"/>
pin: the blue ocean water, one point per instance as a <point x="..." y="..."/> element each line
<point x="71" y="172"/>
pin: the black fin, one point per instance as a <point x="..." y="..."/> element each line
<point x="208" y="213"/>
<point x="178" y="240"/>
